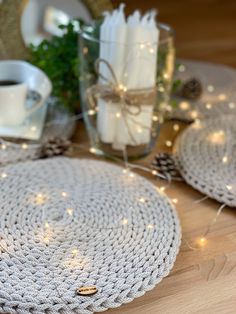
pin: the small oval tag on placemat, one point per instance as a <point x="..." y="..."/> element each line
<point x="87" y="291"/>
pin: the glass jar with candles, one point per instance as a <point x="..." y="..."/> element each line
<point x="125" y="83"/>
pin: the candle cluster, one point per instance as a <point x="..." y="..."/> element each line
<point x="130" y="47"/>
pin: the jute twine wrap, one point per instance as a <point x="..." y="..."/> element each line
<point x="200" y="152"/>
<point x="122" y="258"/>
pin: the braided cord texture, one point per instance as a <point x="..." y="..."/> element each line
<point x="124" y="247"/>
<point x="204" y="154"/>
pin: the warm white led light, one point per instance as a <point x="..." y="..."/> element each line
<point x="155" y="118"/>
<point x="91" y="112"/>
<point x="168" y="143"/>
<point x="118" y="115"/>
<point x="3" y="175"/>
<point x="70" y="211"/>
<point x="125" y="221"/>
<point x="184" y="105"/>
<point x="92" y="150"/>
<point x="225" y="160"/>
<point x="176" y="127"/>
<point x="210" y="88"/>
<point x="142" y="200"/>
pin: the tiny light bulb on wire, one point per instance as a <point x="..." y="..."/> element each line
<point x="168" y="143"/>
<point x="3" y="146"/>
<point x="125" y="221"/>
<point x="64" y="194"/>
<point x="225" y="160"/>
<point x="3" y="175"/>
<point x="175" y="200"/>
<point x="142" y="200"/>
<point x="70" y="211"/>
<point x="176" y="127"/>
<point x="24" y="146"/>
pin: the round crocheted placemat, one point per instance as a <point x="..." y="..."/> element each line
<point x="69" y="223"/>
<point x="204" y="154"/>
<point x="218" y="96"/>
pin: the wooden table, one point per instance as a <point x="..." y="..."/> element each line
<point x="203" y="280"/>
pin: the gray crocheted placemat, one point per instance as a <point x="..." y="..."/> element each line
<point x="218" y="96"/>
<point x="67" y="223"/>
<point x="205" y="155"/>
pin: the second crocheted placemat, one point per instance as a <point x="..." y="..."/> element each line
<point x="204" y="154"/>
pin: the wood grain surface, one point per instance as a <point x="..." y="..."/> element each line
<point x="203" y="280"/>
<point x="205" y="29"/>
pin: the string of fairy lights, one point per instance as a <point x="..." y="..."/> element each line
<point x="217" y="137"/>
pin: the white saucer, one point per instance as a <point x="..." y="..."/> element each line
<point x="30" y="129"/>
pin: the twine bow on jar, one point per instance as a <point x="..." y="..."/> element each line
<point x="130" y="101"/>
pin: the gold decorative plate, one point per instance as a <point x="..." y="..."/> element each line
<point x="12" y="45"/>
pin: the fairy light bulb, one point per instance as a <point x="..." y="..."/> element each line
<point x="155" y="118"/>
<point x="142" y="46"/>
<point x="175" y="200"/>
<point x="225" y="160"/>
<point x="194" y="114"/>
<point x="46" y="225"/>
<point x="208" y="106"/>
<point x="181" y="68"/>
<point x="125" y="221"/>
<point x="210" y="88"/>
<point x="229" y="187"/>
<point x="176" y="127"/>
<point x="46" y="240"/>
<point x="154" y="172"/>
<point x="64" y="194"/>
<point x="74" y="252"/>
<point x="184" y="105"/>
<point x="40" y="198"/>
<point x="139" y="130"/>
<point x="231" y="105"/>
<point x="168" y="143"/>
<point x="3" y="146"/>
<point x="3" y="175"/>
<point x="217" y="137"/>
<point x="118" y="115"/>
<point x="151" y="50"/>
<point x="91" y="112"/>
<point x="150" y="226"/>
<point x="222" y="97"/>
<point x="202" y="241"/>
<point x="33" y="128"/>
<point x="24" y="146"/>
<point x="162" y="188"/>
<point x="92" y="150"/>
<point x="70" y="211"/>
<point x="131" y="174"/>
<point x="142" y="200"/>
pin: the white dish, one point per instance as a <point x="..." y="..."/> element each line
<point x="31" y="129"/>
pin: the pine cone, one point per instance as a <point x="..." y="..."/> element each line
<point x="192" y="89"/>
<point x="165" y="165"/>
<point x="54" y="147"/>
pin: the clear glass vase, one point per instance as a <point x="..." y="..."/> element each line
<point x="120" y="120"/>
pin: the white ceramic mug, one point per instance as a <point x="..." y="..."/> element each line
<point x="23" y="77"/>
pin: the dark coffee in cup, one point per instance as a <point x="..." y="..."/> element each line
<point x="8" y="82"/>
